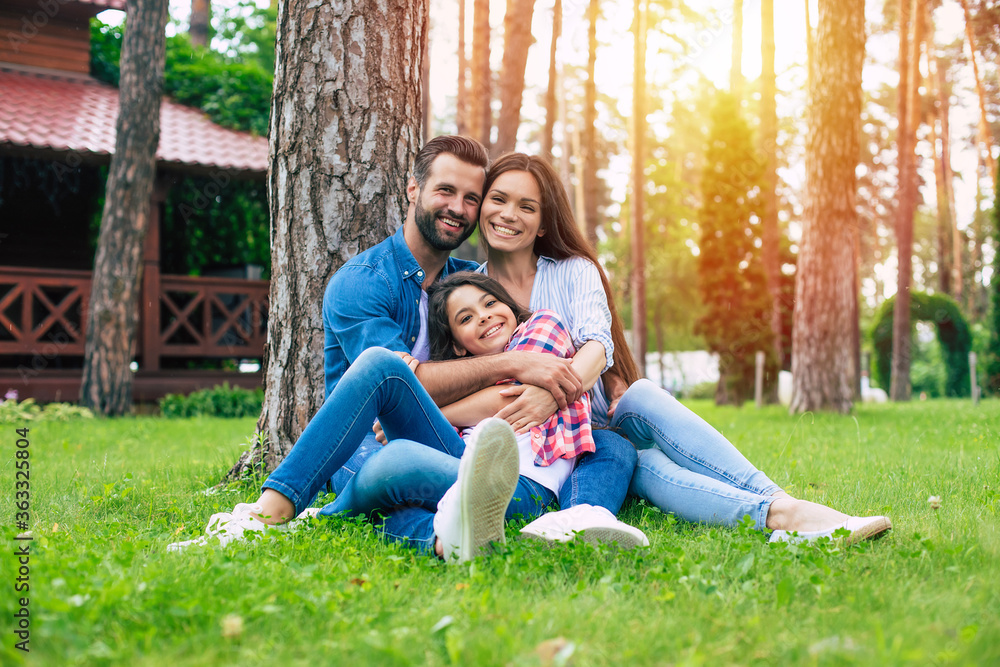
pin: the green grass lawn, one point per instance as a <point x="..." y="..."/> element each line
<point x="108" y="495"/>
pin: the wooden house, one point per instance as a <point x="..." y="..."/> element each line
<point x="57" y="131"/>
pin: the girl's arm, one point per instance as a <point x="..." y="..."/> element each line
<point x="476" y="407"/>
<point x="534" y="405"/>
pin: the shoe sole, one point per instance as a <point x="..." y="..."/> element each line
<point x="872" y="530"/>
<point x="594" y="536"/>
<point x="487" y="478"/>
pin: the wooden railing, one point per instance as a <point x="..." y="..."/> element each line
<point x="44" y="312"/>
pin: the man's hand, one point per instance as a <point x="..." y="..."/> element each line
<point x="411" y="361"/>
<point x="533" y="406"/>
<point x="379" y="433"/>
<point x="614" y="389"/>
<point x="551" y="373"/>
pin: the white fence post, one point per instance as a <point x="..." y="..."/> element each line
<point x="973" y="379"/>
<point x="758" y="384"/>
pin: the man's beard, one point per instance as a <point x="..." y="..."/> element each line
<point x="427" y="225"/>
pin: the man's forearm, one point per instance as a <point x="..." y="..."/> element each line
<point x="450" y="381"/>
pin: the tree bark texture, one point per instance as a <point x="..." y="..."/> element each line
<point x="639" y="335"/>
<point x="340" y="149"/>
<point x="822" y="363"/>
<point x="588" y="147"/>
<point x="114" y="298"/>
<point x="201" y="16"/>
<point x="769" y="197"/>
<point x="517" y="40"/>
<point x="462" y="97"/>
<point x="551" y="108"/>
<point x="480" y="94"/>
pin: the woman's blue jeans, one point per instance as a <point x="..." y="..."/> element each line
<point x="686" y="467"/>
<point x="400" y="485"/>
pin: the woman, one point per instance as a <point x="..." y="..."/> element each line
<point x="537" y="252"/>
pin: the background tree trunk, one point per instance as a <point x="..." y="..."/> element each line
<point x="736" y="64"/>
<point x="480" y="114"/>
<point x="588" y="149"/>
<point x="201" y="18"/>
<point x="340" y="153"/>
<point x="114" y="297"/>
<point x="822" y="364"/>
<point x="769" y="195"/>
<point x="517" y="40"/>
<point x="639" y="337"/>
<point x="945" y="224"/>
<point x="551" y="106"/>
<point x="462" y="97"/>
<point x="985" y="138"/>
<point x="899" y="386"/>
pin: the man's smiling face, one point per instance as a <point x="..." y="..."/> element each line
<point x="446" y="208"/>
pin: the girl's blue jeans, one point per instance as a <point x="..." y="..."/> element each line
<point x="400" y="485"/>
<point x="379" y="385"/>
<point x="686" y="467"/>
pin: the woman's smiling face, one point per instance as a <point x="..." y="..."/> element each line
<point x="480" y="323"/>
<point x="511" y="215"/>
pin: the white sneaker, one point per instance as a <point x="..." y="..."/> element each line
<point x="227" y="527"/>
<point x="471" y="513"/>
<point x="861" y="527"/>
<point x="592" y="524"/>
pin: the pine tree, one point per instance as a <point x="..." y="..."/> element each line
<point x="736" y="323"/>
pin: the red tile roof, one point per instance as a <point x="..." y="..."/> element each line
<point x="77" y="114"/>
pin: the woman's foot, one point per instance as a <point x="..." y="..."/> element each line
<point x="801" y="515"/>
<point x="860" y="528"/>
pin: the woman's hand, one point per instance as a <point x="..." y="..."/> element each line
<point x="531" y="407"/>
<point x="410" y="360"/>
<point x="614" y="389"/>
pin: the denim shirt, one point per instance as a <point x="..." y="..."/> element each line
<point x="374" y="301"/>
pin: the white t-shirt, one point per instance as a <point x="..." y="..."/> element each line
<point x="422" y="348"/>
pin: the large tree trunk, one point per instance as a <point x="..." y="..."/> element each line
<point x="480" y="114"/>
<point x="114" y="296"/>
<point x="899" y="386"/>
<point x="462" y="97"/>
<point x="985" y="137"/>
<point x="822" y="363"/>
<point x="516" y="42"/>
<point x="551" y="107"/>
<point x="639" y="337"/>
<point x="201" y="16"/>
<point x="340" y="152"/>
<point x="736" y="64"/>
<point x="769" y="197"/>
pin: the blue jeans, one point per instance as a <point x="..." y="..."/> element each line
<point x="692" y="471"/>
<point x="378" y="385"/>
<point x="400" y="485"/>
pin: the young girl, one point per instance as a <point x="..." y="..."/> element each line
<point x="472" y="314"/>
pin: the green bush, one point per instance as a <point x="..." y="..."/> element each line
<point x="702" y="390"/>
<point x="219" y="401"/>
<point x="27" y="410"/>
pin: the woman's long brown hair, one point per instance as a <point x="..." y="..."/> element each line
<point x="563" y="240"/>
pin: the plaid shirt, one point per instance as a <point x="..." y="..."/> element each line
<point x="567" y="433"/>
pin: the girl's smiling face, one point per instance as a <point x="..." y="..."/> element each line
<point x="480" y="323"/>
<point x="511" y="215"/>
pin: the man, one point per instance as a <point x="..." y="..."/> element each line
<point x="377" y="300"/>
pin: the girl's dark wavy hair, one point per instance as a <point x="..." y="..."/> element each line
<point x="563" y="239"/>
<point x="438" y="325"/>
